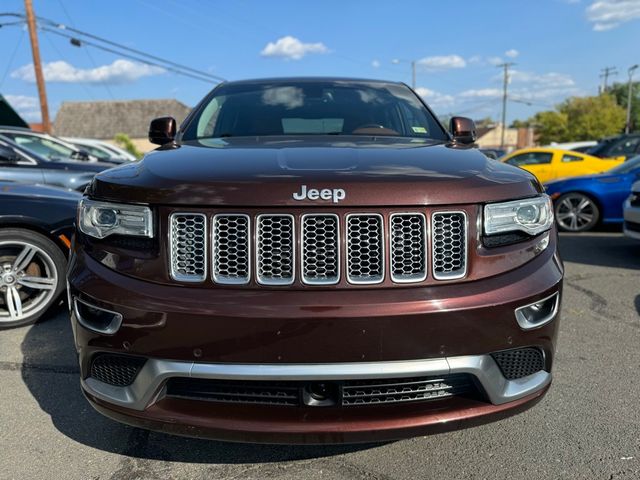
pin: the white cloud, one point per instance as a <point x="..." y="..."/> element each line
<point x="481" y="93"/>
<point x="495" y="60"/>
<point x="475" y="59"/>
<point x="443" y="62"/>
<point x="375" y="63"/>
<point x="545" y="80"/>
<point x="290" y="48"/>
<point x="120" y="71"/>
<point x="608" y="14"/>
<point x="513" y="53"/>
<point x="435" y="99"/>
<point x="27" y="107"/>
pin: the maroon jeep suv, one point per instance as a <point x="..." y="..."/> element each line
<point x="314" y="260"/>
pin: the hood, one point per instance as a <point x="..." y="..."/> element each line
<point x="37" y="191"/>
<point x="260" y="172"/>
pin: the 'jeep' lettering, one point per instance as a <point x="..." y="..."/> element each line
<point x="333" y="194"/>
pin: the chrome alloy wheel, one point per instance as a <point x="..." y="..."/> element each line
<point x="576" y="212"/>
<point x="28" y="280"/>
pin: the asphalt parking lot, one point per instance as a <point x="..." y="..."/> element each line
<point x="588" y="426"/>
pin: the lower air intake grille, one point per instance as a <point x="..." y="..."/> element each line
<point x="348" y="393"/>
<point x="519" y="362"/>
<point x="266" y="393"/>
<point x="449" y="245"/>
<point x="116" y="370"/>
<point x="188" y="233"/>
<point x="398" y="390"/>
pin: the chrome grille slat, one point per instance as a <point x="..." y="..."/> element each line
<point x="275" y="249"/>
<point x="365" y="248"/>
<point x="449" y="244"/>
<point x="188" y="247"/>
<point x="231" y="248"/>
<point x="320" y="246"/>
<point x="408" y="247"/>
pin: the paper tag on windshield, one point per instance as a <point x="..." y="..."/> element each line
<point x="419" y="129"/>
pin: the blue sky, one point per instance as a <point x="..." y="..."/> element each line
<point x="559" y="47"/>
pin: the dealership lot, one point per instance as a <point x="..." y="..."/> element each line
<point x="588" y="426"/>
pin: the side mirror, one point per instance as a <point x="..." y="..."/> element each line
<point x="162" y="130"/>
<point x="463" y="130"/>
<point x="81" y="155"/>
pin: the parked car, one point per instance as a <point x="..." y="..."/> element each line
<point x="45" y="145"/>
<point x="36" y="225"/>
<point x="103" y="150"/>
<point x="581" y="203"/>
<point x="21" y="165"/>
<point x="314" y="260"/>
<point x="620" y="147"/>
<point x="632" y="213"/>
<point x="551" y="163"/>
<point x="582" y="146"/>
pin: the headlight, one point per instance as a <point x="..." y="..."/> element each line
<point x="101" y="219"/>
<point x="531" y="215"/>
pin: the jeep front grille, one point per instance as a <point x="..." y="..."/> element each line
<point x="188" y="234"/>
<point x="320" y="249"/>
<point x="267" y="248"/>
<point x="230" y="236"/>
<point x="275" y="264"/>
<point x="365" y="248"/>
<point x="449" y="245"/>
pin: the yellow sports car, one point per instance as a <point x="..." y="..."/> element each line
<point x="551" y="163"/>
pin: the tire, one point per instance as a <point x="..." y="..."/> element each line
<point x="32" y="276"/>
<point x="576" y="212"/>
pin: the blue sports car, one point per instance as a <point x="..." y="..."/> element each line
<point x="582" y="202"/>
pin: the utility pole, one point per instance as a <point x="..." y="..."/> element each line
<point x="505" y="84"/>
<point x="627" y="125"/>
<point x="396" y="61"/>
<point x="37" y="65"/>
<point x="606" y="73"/>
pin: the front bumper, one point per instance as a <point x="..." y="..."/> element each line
<point x="314" y="335"/>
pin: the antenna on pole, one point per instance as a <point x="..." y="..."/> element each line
<point x="37" y="65"/>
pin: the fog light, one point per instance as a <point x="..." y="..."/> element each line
<point x="96" y="319"/>
<point x="538" y="314"/>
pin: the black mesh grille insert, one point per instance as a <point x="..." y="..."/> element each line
<point x="519" y="362"/>
<point x="266" y="393"/>
<point x="349" y="393"/>
<point x="399" y="390"/>
<point x="117" y="370"/>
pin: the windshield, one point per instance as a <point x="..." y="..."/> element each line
<point x="42" y="146"/>
<point x="313" y="108"/>
<point x="626" y="167"/>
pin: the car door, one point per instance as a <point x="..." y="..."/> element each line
<point x="537" y="162"/>
<point x="18" y="168"/>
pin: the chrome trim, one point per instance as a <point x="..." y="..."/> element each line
<point x="142" y="392"/>
<point x="223" y="280"/>
<point x="110" y="330"/>
<point x="383" y="271"/>
<point x="302" y="249"/>
<point x="426" y="250"/>
<point x="260" y="280"/>
<point x="525" y="324"/>
<point x="466" y="247"/>
<point x="188" y="278"/>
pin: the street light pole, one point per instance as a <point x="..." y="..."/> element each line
<point x="627" y="125"/>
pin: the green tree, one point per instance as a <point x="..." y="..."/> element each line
<point x="550" y="126"/>
<point x="580" y="118"/>
<point x="520" y="124"/>
<point x="125" y="142"/>
<point x="620" y="91"/>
